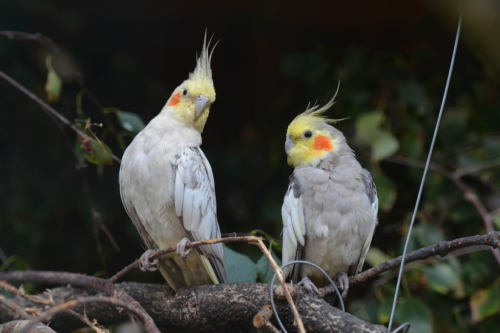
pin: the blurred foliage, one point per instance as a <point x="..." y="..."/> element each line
<point x="266" y="68"/>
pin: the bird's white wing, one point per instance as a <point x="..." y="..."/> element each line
<point x="195" y="204"/>
<point x="294" y="226"/>
<point x="371" y="192"/>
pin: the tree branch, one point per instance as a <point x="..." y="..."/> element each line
<point x="62" y="278"/>
<point x="209" y="308"/>
<point x="47" y="108"/>
<point x="243" y="239"/>
<point x="491" y="239"/>
<point x="468" y="194"/>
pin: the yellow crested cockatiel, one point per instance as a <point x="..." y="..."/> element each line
<point x="330" y="209"/>
<point x="167" y="185"/>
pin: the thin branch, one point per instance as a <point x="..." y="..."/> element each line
<point x="476" y="168"/>
<point x="469" y="195"/>
<point x="53" y="47"/>
<point x="73" y="303"/>
<point x="63" y="278"/>
<point x="14" y="307"/>
<point x="47" y="108"/>
<point x="17" y="325"/>
<point x="491" y="239"/>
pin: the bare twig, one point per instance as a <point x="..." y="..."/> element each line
<point x="244" y="239"/>
<point x="14" y="307"/>
<point x="47" y="108"/>
<point x="53" y="47"/>
<point x="491" y="239"/>
<point x="17" y="326"/>
<point x="262" y="317"/>
<point x="469" y="195"/>
<point x="33" y="298"/>
<point x="86" y="282"/>
<point x="71" y="304"/>
<point x="476" y="168"/>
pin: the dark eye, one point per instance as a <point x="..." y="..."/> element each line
<point x="308" y="134"/>
<point x="185" y="92"/>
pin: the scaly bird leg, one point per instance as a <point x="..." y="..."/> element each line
<point x="184" y="248"/>
<point x="148" y="266"/>
<point x="343" y="282"/>
<point x="309" y="285"/>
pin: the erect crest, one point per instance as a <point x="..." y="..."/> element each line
<point x="316" y="113"/>
<point x="203" y="72"/>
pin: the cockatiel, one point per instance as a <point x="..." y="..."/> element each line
<point x="167" y="185"/>
<point x="330" y="209"/>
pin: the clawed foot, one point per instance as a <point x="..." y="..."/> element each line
<point x="184" y="248"/>
<point x="309" y="285"/>
<point x="148" y="266"/>
<point x="343" y="282"/>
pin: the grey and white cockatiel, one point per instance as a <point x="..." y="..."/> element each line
<point x="330" y="209"/>
<point x="167" y="185"/>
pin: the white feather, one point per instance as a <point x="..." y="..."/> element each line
<point x="291" y="235"/>
<point x="296" y="226"/>
<point x="178" y="195"/>
<point x="187" y="208"/>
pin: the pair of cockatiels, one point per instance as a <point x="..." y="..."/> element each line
<point x="167" y="187"/>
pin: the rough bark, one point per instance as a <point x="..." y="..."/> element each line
<point x="211" y="308"/>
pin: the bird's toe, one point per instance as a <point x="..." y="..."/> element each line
<point x="145" y="264"/>
<point x="309" y="285"/>
<point x="184" y="248"/>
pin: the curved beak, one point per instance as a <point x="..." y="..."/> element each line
<point x="201" y="103"/>
<point x="289" y="144"/>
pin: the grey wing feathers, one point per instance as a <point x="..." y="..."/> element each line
<point x="195" y="203"/>
<point x="371" y="192"/>
<point x="294" y="227"/>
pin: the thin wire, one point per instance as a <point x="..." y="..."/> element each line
<point x="310" y="264"/>
<point x="425" y="172"/>
<point x="403" y="328"/>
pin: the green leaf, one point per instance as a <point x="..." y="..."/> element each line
<point x="376" y="256"/>
<point x="97" y="152"/>
<point x="264" y="268"/>
<point x="417" y="313"/>
<point x="485" y="303"/>
<point x="384" y="144"/>
<point x="53" y="86"/>
<point x="428" y="234"/>
<point x="367" y="126"/>
<point x="442" y="278"/>
<point x="386" y="191"/>
<point x="130" y="121"/>
<point x="240" y="268"/>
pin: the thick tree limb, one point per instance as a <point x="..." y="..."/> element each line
<point x="210" y="308"/>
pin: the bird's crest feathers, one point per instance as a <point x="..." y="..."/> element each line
<point x="315" y="113"/>
<point x="203" y="72"/>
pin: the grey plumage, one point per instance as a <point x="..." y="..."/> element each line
<point x="329" y="211"/>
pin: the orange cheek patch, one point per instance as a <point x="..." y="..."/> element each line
<point x="174" y="100"/>
<point x="322" y="143"/>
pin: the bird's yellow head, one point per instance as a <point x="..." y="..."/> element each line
<point x="190" y="102"/>
<point x="310" y="138"/>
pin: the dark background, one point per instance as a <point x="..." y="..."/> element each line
<point x="273" y="57"/>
